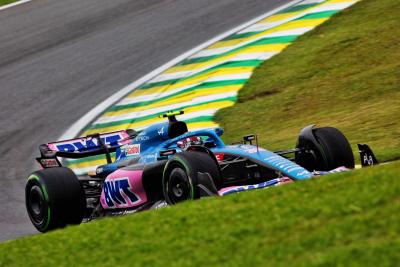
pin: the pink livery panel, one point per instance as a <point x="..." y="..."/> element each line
<point x="123" y="189"/>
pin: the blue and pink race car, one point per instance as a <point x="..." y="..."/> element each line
<point x="166" y="164"/>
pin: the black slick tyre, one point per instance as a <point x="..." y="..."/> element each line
<point x="54" y="198"/>
<point x="331" y="151"/>
<point x="180" y="177"/>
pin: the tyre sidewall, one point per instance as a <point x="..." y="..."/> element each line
<point x="65" y="197"/>
<point x="34" y="180"/>
<point x="192" y="162"/>
<point x="180" y="162"/>
<point x="336" y="148"/>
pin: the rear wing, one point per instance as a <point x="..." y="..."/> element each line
<point x="82" y="147"/>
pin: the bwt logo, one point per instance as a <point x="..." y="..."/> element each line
<point x="85" y="144"/>
<point x="119" y="192"/>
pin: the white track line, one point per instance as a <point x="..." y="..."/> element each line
<point x="78" y="126"/>
<point x="14" y="4"/>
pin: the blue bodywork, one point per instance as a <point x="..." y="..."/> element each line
<point x="155" y="139"/>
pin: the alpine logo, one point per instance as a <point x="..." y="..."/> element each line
<point x="118" y="192"/>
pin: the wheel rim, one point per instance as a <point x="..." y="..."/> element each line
<point x="179" y="187"/>
<point x="36" y="205"/>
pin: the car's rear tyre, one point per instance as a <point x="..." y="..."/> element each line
<point x="329" y="149"/>
<point x="54" y="198"/>
<point x="180" y="178"/>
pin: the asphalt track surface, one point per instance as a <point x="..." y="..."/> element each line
<point x="59" y="58"/>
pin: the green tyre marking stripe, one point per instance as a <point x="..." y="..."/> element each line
<point x="188" y="170"/>
<point x="42" y="186"/>
<point x="46" y="197"/>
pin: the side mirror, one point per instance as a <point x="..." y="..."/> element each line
<point x="209" y="144"/>
<point x="249" y="139"/>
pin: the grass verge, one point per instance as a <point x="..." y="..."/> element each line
<point x="345" y="74"/>
<point x="6" y="2"/>
<point x="347" y="219"/>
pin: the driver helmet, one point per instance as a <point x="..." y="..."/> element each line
<point x="190" y="141"/>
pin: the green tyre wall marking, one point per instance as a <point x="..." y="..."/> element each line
<point x="46" y="196"/>
<point x="187" y="169"/>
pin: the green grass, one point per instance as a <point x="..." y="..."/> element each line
<point x="344" y="74"/>
<point x="347" y="219"/>
<point x="5" y="2"/>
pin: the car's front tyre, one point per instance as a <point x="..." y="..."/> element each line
<point x="323" y="149"/>
<point x="181" y="175"/>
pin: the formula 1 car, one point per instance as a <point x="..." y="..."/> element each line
<point x="166" y="164"/>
